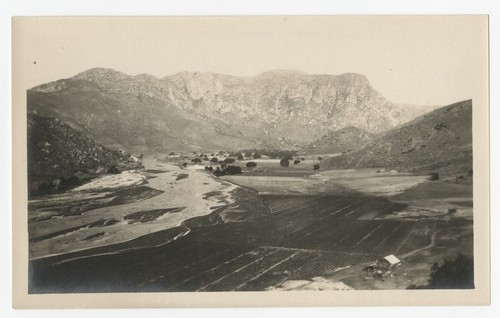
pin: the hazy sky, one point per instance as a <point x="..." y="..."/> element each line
<point x="409" y="59"/>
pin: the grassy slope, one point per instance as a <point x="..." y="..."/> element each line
<point x="437" y="141"/>
<point x="343" y="140"/>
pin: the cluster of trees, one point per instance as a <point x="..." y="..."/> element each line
<point x="229" y="170"/>
<point x="286" y="156"/>
<point x="273" y="154"/>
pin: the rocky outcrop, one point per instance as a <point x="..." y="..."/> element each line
<point x="60" y="157"/>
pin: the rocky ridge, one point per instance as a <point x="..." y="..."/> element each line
<point x="276" y="109"/>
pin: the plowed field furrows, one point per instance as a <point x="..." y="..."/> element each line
<point x="303" y="237"/>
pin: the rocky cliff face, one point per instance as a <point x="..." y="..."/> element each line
<point x="438" y="141"/>
<point x="277" y="109"/>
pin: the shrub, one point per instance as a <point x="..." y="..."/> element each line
<point x="251" y="164"/>
<point x="184" y="164"/>
<point x="257" y="156"/>
<point x="440" y="126"/>
<point x="196" y="160"/>
<point x="452" y="274"/>
<point x="172" y="154"/>
<point x="240" y="157"/>
<point x="316" y="167"/>
<point x="219" y="173"/>
<point x="284" y="162"/>
<point x="320" y="158"/>
<point x="302" y="159"/>
<point x="71" y="181"/>
<point x="114" y="170"/>
<point x="434" y="176"/>
<point x="233" y="170"/>
<point x="229" y="160"/>
<point x="214" y="160"/>
<point x="296" y="162"/>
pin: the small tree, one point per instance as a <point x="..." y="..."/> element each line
<point x="251" y="164"/>
<point x="284" y="162"/>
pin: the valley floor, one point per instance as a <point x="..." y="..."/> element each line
<point x="191" y="232"/>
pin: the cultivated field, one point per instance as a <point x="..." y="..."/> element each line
<point x="290" y="230"/>
<point x="302" y="237"/>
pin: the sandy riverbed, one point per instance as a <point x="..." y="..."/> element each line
<point x="179" y="194"/>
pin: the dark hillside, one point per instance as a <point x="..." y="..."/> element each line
<point x="439" y="141"/>
<point x="59" y="156"/>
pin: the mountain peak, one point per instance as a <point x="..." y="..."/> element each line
<point x="282" y="72"/>
<point x="99" y="74"/>
<point x="354" y="78"/>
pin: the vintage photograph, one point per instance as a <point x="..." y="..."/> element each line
<point x="268" y="154"/>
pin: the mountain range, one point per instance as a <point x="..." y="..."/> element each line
<point x="208" y="111"/>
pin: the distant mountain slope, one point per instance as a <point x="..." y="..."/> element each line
<point x="440" y="140"/>
<point x="57" y="151"/>
<point x="277" y="109"/>
<point x="343" y="140"/>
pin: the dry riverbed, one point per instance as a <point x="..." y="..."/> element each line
<point x="118" y="208"/>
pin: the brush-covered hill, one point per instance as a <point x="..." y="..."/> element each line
<point x="209" y="111"/>
<point x="437" y="141"/>
<point x="58" y="152"/>
<point x="344" y="140"/>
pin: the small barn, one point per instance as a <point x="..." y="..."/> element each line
<point x="391" y="261"/>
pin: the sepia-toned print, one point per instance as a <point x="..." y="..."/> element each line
<point x="211" y="156"/>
